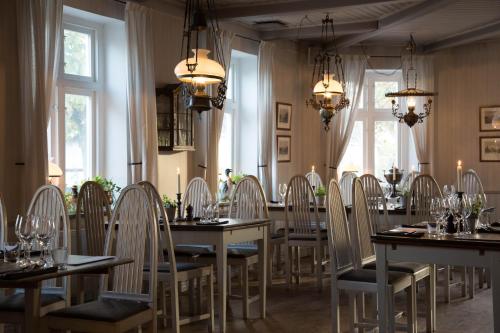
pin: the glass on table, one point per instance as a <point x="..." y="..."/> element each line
<point x="436" y="211"/>
<point x="282" y="191"/>
<point x="11" y="252"/>
<point x="60" y="257"/>
<point x="25" y="231"/>
<point x="44" y="232"/>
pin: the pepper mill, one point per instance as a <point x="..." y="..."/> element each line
<point x="189" y="213"/>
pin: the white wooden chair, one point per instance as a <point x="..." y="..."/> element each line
<point x="314" y="179"/>
<point x="197" y="193"/>
<point x="48" y="201"/>
<point x="171" y="272"/>
<point x="346" y="271"/>
<point x="376" y="202"/>
<point x="92" y="213"/>
<point x="302" y="230"/>
<point x="423" y="189"/>
<point x="364" y="229"/>
<point x="346" y="186"/>
<point x="124" y="302"/>
<point x="408" y="179"/>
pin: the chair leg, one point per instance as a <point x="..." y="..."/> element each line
<point x="480" y="277"/>
<point x="471" y="285"/>
<point x="174" y="304"/>
<point x="447" y="284"/>
<point x="463" y="274"/>
<point x="314" y="258"/>
<point x="428" y="304"/>
<point x="270" y="265"/>
<point x="191" y="297"/>
<point x="352" y="311"/>
<point x="411" y="304"/>
<point x="210" y="301"/>
<point x="80" y="287"/>
<point x="334" y="292"/>
<point x="288" y="268"/>
<point x="360" y="310"/>
<point x="163" y="303"/>
<point x="278" y="257"/>
<point x="244" y="290"/>
<point x="200" y="295"/>
<point x="297" y="265"/>
<point x="229" y="285"/>
<point x="390" y="311"/>
<point x="319" y="269"/>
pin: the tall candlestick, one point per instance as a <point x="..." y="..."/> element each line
<point x="178" y="180"/>
<point x="393" y="172"/>
<point x="459" y="176"/>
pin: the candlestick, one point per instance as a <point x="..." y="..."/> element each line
<point x="178" y="180"/>
<point x="459" y="176"/>
<point x="393" y="172"/>
<point x="312" y="169"/>
<point x="179" y="204"/>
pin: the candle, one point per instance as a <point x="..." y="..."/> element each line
<point x="178" y="180"/>
<point x="393" y="172"/>
<point x="459" y="176"/>
<point x="312" y="169"/>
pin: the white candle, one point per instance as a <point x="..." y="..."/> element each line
<point x="312" y="169"/>
<point x="393" y="172"/>
<point x="178" y="180"/>
<point x="459" y="176"/>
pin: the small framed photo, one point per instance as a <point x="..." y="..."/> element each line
<point x="489" y="148"/>
<point x="283" y="116"/>
<point x="489" y="118"/>
<point x="284" y="148"/>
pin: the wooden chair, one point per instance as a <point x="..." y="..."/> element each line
<point x="124" y="302"/>
<point x="346" y="271"/>
<point x="364" y="229"/>
<point x="171" y="273"/>
<point x="197" y="193"/>
<point x="423" y="189"/>
<point x="376" y="202"/>
<point x="92" y="213"/>
<point x="314" y="179"/>
<point x="346" y="186"/>
<point x="409" y="178"/>
<point x="302" y="230"/>
<point x="48" y="201"/>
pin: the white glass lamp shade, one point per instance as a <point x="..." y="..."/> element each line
<point x="207" y="71"/>
<point x="333" y="87"/>
<point x="54" y="170"/>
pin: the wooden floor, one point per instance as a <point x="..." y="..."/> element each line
<point x="305" y="310"/>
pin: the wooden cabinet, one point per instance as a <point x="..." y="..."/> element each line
<point x="174" y="120"/>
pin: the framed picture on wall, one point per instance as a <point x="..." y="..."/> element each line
<point x="283" y="116"/>
<point x="489" y="118"/>
<point x="284" y="148"/>
<point x="489" y="148"/>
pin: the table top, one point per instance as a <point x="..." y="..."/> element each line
<point x="233" y="224"/>
<point x="98" y="267"/>
<point x="272" y="206"/>
<point x="477" y="241"/>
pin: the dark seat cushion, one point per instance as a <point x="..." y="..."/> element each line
<point x="15" y="303"/>
<point x="164" y="267"/>
<point x="192" y="250"/>
<point x="104" y="310"/>
<point x="405" y="267"/>
<point x="370" y="276"/>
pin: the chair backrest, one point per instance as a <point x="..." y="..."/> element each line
<point x="376" y="202"/>
<point x="92" y="212"/>
<point x="298" y="209"/>
<point x="248" y="200"/>
<point x="3" y="222"/>
<point x="409" y="178"/>
<point x="423" y="189"/>
<point x="339" y="242"/>
<point x="48" y="201"/>
<point x="473" y="185"/>
<point x="345" y="184"/>
<point x="362" y="225"/>
<point x="314" y="179"/>
<point x="197" y="193"/>
<point x="136" y="238"/>
<point x="165" y="245"/>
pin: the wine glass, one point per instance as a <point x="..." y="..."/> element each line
<point x="457" y="211"/>
<point x="215" y="208"/>
<point x="467" y="203"/>
<point x="20" y="261"/>
<point x="446" y="191"/>
<point x="44" y="232"/>
<point x="436" y="214"/>
<point x="206" y="208"/>
<point x="282" y="190"/>
<point x="26" y="233"/>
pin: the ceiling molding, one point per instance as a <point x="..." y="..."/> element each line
<point x="315" y="31"/>
<point x="469" y="36"/>
<point x="394" y="20"/>
<point x="291" y="7"/>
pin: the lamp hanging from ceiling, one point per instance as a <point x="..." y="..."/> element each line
<point x="196" y="70"/>
<point x="328" y="78"/>
<point x="412" y="94"/>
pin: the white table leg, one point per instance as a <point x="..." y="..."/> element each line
<point x="262" y="245"/>
<point x="433" y="280"/>
<point x="382" y="301"/>
<point x="32" y="310"/>
<point x="221" y="253"/>
<point x="495" y="290"/>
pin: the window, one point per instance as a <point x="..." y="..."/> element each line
<point x="378" y="140"/>
<point x="225" y="158"/>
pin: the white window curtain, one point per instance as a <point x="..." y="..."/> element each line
<point x="215" y="118"/>
<point x="422" y="133"/>
<point x="39" y="38"/>
<point x="143" y="139"/>
<point x="343" y="122"/>
<point x="266" y="162"/>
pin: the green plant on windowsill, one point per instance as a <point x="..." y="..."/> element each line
<point x="237" y="178"/>
<point x="320" y="192"/>
<point x="70" y="204"/>
<point x="167" y="202"/>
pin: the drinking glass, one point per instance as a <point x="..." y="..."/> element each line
<point x="446" y="191"/>
<point x="467" y="203"/>
<point x="26" y="232"/>
<point x="456" y="210"/>
<point x="60" y="257"/>
<point x="215" y="208"/>
<point x="433" y="227"/>
<point x="282" y="190"/>
<point x="44" y="232"/>
<point x="206" y="208"/>
<point x="11" y="252"/>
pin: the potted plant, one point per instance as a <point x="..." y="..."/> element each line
<point x="170" y="206"/>
<point x="476" y="207"/>
<point x="108" y="186"/>
<point x="404" y="192"/>
<point x="320" y="194"/>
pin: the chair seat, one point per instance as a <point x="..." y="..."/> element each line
<point x="405" y="267"/>
<point x="311" y="237"/>
<point x="189" y="250"/>
<point x="15" y="303"/>
<point x="108" y="310"/>
<point x="370" y="276"/>
<point x="164" y="267"/>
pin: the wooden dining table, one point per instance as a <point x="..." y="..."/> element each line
<point x="475" y="250"/>
<point x="220" y="236"/>
<point x="32" y="285"/>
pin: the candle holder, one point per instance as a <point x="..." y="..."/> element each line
<point x="393" y="177"/>
<point x="179" y="204"/>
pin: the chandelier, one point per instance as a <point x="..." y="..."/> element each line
<point x="328" y="78"/>
<point x="412" y="94"/>
<point x="197" y="71"/>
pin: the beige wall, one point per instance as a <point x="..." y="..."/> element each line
<point x="10" y="116"/>
<point x="466" y="78"/>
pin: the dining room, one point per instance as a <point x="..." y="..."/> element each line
<point x="250" y="166"/>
